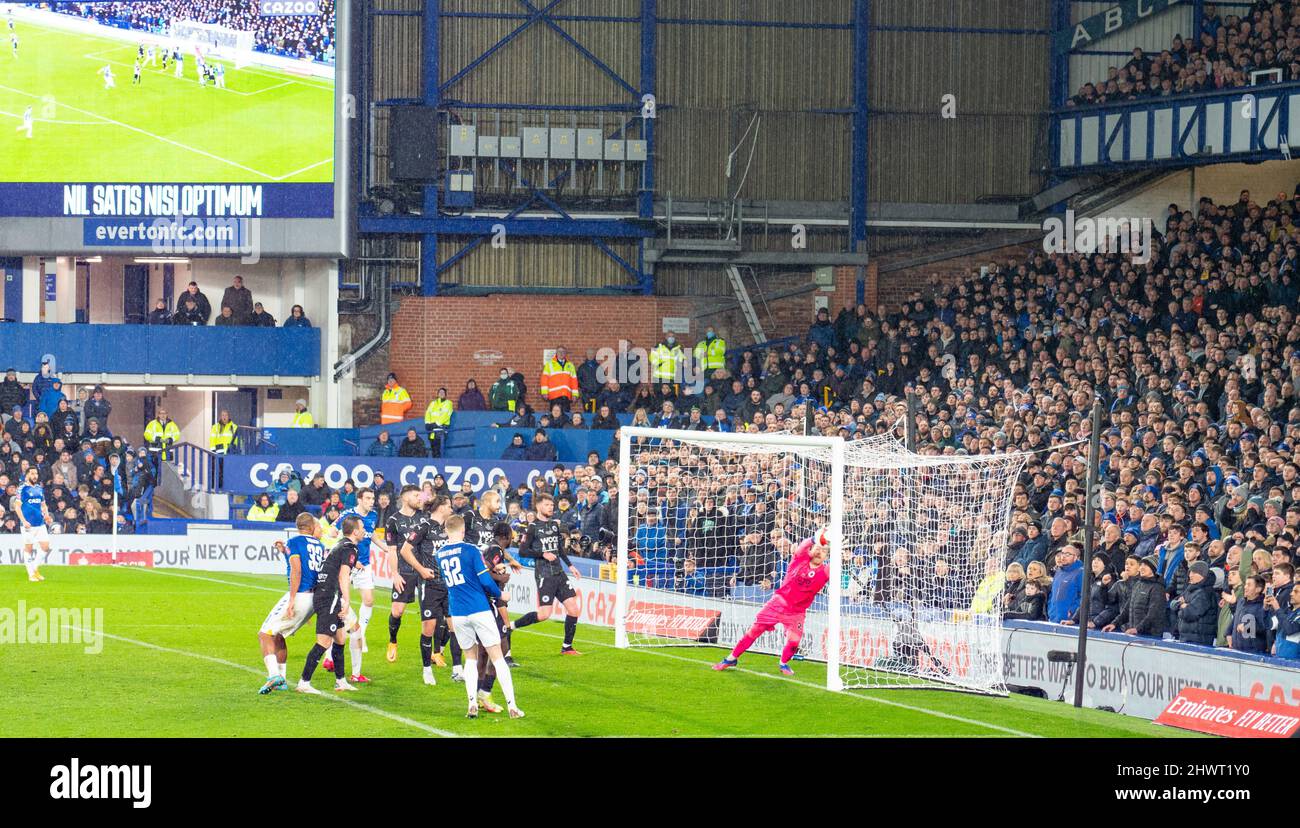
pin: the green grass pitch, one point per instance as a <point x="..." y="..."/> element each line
<point x="266" y="126"/>
<point x="180" y="658"/>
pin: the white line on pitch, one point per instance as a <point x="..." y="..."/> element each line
<point x="925" y="710"/>
<point x="365" y="707"/>
<point x="952" y="717"/>
<point x="304" y="169"/>
<point x="149" y="134"/>
<point x="153" y="571"/>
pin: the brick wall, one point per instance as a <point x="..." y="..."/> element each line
<point x="444" y="341"/>
<point x="894" y="286"/>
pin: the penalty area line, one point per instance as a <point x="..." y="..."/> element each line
<point x="848" y="695"/>
<point x="349" y="702"/>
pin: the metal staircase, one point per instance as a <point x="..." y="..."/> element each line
<point x="746" y="304"/>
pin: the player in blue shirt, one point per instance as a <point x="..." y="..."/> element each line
<point x="363" y="578"/>
<point x="472" y="594"/>
<point x="303" y="556"/>
<point x="33" y="515"/>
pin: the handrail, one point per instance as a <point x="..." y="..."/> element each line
<point x="1178" y="99"/>
<point x="199" y="464"/>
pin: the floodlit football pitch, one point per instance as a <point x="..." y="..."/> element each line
<point x="265" y="126"/>
<point x="177" y="655"/>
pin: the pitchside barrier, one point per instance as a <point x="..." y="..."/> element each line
<point x="1134" y="676"/>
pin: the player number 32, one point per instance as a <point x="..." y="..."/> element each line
<point x="451" y="572"/>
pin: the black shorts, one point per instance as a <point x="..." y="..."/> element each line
<point x="406" y="595"/>
<point x="554" y="589"/>
<point x="433" y="600"/>
<point x="327" y="617"/>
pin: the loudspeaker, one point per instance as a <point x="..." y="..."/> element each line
<point x="412" y="143"/>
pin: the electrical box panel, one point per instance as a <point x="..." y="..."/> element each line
<point x="488" y="146"/>
<point x="590" y="144"/>
<point x="510" y="146"/>
<point x="535" y="142"/>
<point x="636" y="150"/>
<point x="459" y="191"/>
<point x="615" y="150"/>
<point x="562" y="143"/>
<point x="464" y="141"/>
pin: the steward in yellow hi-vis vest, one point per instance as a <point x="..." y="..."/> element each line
<point x="224" y="435"/>
<point x="160" y="435"/>
<point x="301" y="416"/>
<point x="710" y="352"/>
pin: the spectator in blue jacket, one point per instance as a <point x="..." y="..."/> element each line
<point x="297" y="318"/>
<point x="651" y="539"/>
<point x="1067" y="585"/>
<point x="822" y="331"/>
<point x="516" y="450"/>
<point x="50" y="398"/>
<point x="1250" y="619"/>
<point x="691" y="582"/>
<point x="382" y="447"/>
<point x="1035" y="546"/>
<point x="541" y="449"/>
<point x="1288" y="628"/>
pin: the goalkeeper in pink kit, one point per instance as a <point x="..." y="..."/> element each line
<point x="804" y="578"/>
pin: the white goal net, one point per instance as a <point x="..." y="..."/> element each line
<point x="234" y="45"/>
<point x="709" y="521"/>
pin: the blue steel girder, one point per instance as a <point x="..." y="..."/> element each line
<point x="543" y="15"/>
<point x="590" y="230"/>
<point x="1196" y="121"/>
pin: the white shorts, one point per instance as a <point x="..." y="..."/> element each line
<point x="36" y="534"/>
<point x="479" y="628"/>
<point x="363" y="577"/>
<point x="277" y="624"/>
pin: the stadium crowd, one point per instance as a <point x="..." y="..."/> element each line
<point x="1195" y="358"/>
<point x="1221" y="55"/>
<point x="82" y="464"/>
<point x="294" y="36"/>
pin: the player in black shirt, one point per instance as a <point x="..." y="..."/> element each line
<point x="331" y="602"/>
<point x="499" y="562"/>
<point x="419" y="551"/>
<point x="544" y="540"/>
<point x="405" y="581"/>
<point x="484" y="531"/>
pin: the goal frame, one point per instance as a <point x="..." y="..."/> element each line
<point x="835" y="446"/>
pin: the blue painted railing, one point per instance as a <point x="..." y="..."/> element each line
<point x="163" y="349"/>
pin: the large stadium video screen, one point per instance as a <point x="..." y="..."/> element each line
<point x="132" y="120"/>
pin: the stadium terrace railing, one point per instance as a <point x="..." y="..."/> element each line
<point x="1251" y="123"/>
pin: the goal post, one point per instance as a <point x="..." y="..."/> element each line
<point x="708" y="521"/>
<point x="234" y="45"/>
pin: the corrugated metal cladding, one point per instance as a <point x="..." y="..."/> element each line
<point x="990" y="14"/>
<point x="539" y="66"/>
<point x="1151" y="35"/>
<point x="536" y="263"/>
<point x="1000" y="83"/>
<point x="965" y="159"/>
<point x="712" y="81"/>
